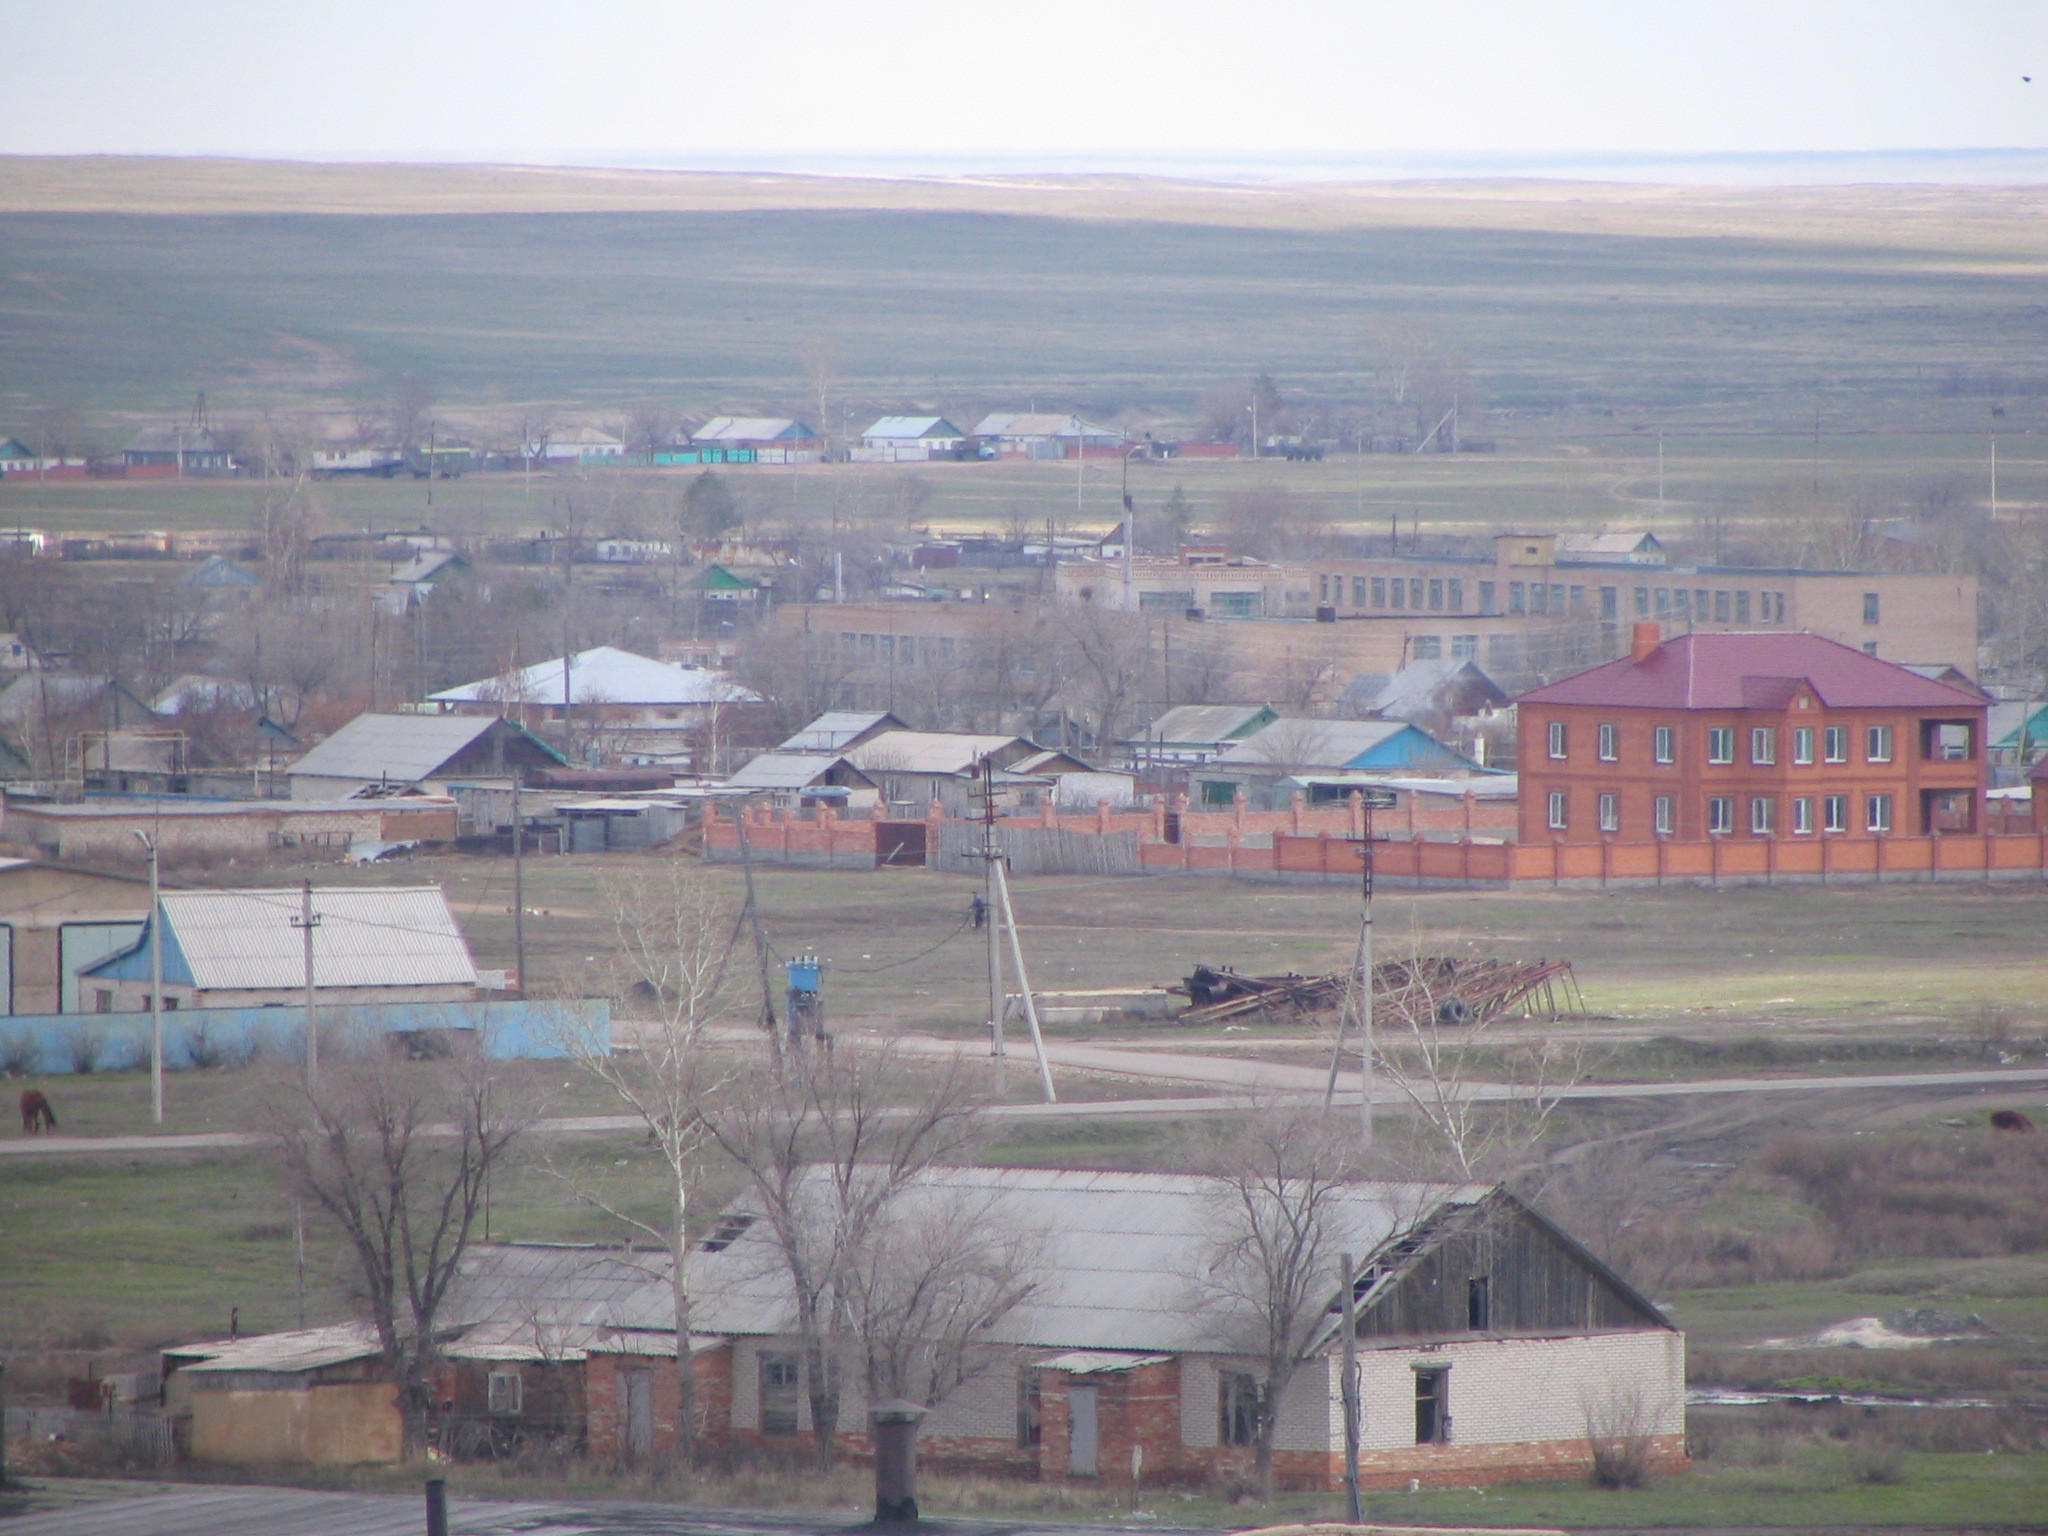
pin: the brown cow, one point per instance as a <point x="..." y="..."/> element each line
<point x="36" y="1113"/>
<point x="2010" y="1120"/>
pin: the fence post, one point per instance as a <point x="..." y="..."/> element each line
<point x="437" y="1507"/>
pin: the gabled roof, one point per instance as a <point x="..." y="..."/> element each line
<point x="1596" y="547"/>
<point x="1210" y="724"/>
<point x="912" y="428"/>
<point x="1040" y="424"/>
<point x="752" y="429"/>
<point x="1297" y="743"/>
<point x="197" y="691"/>
<point x="955" y="752"/>
<point x="219" y="571"/>
<point x="838" y="729"/>
<point x="425" y="566"/>
<point x="789" y="770"/>
<point x="1118" y="1253"/>
<point x="173" y="439"/>
<point x="366" y="936"/>
<point x="1050" y="761"/>
<point x="302" y="1349"/>
<point x="401" y="748"/>
<point x="1752" y="671"/>
<point x="1419" y="686"/>
<point x="602" y="675"/>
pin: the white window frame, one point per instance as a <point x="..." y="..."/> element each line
<point x="1802" y="746"/>
<point x="1720" y="744"/>
<point x="1665" y="744"/>
<point x="1763" y="746"/>
<point x="1879" y="743"/>
<point x="1877" y="813"/>
<point x="1720" y="814"/>
<point x="1763" y="816"/>
<point x="1834" y="813"/>
<point x="1610" y="812"/>
<point x="1560" y="807"/>
<point x="1560" y="741"/>
<point x="1609" y="746"/>
<point x="1802" y="815"/>
<point x="1834" y="744"/>
<point x="1661" y="814"/>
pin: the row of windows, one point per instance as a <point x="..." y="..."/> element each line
<point x="1947" y="741"/>
<point x="1557" y="599"/>
<point x="896" y="650"/>
<point x="1721" y="813"/>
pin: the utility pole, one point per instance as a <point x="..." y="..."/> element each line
<point x="1358" y="996"/>
<point x="156" y="982"/>
<point x="990" y="853"/>
<point x="1354" y="1501"/>
<point x="518" y="887"/>
<point x="1009" y="917"/>
<point x="752" y="913"/>
<point x="306" y="922"/>
<point x="1131" y="537"/>
<point x="1660" y="472"/>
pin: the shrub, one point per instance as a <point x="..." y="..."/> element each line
<point x="82" y="1049"/>
<point x="17" y="1051"/>
<point x="1877" y="1461"/>
<point x="1619" y="1441"/>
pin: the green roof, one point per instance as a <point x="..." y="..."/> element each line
<point x="719" y="577"/>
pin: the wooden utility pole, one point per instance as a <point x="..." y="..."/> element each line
<point x="306" y="922"/>
<point x="156" y="979"/>
<point x="1358" y="995"/>
<point x="1354" y="1501"/>
<point x="518" y="887"/>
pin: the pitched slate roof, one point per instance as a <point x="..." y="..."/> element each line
<point x="836" y="728"/>
<point x="1296" y="743"/>
<point x="912" y="428"/>
<point x="786" y="770"/>
<point x="1752" y="671"/>
<point x="401" y="748"/>
<point x="1208" y="724"/>
<point x="752" y="429"/>
<point x="367" y="936"/>
<point x="956" y="752"/>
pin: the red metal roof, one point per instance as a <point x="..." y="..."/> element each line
<point x="1752" y="671"/>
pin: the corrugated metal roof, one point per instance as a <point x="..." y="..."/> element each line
<point x="367" y="936"/>
<point x="1119" y="1252"/>
<point x="602" y="675"/>
<point x="750" y="429"/>
<point x="926" y="751"/>
<point x="401" y="748"/>
<point x="831" y="731"/>
<point x="784" y="770"/>
<point x="1204" y="724"/>
<point x="1100" y="1362"/>
<point x="1751" y="671"/>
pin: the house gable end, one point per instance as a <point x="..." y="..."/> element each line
<point x="1516" y="1269"/>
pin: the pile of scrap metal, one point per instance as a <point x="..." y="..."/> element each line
<point x="1426" y="989"/>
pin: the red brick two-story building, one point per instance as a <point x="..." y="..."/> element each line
<point x="1748" y="736"/>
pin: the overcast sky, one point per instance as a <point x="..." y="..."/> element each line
<point x="1428" y="84"/>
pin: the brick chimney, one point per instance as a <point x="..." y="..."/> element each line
<point x="1648" y="636"/>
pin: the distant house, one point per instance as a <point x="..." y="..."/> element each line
<point x="1639" y="547"/>
<point x="1318" y="759"/>
<point x="108" y="829"/>
<point x="773" y="439"/>
<point x="727" y="596"/>
<point x="246" y="949"/>
<point x="2017" y="734"/>
<point x="575" y="444"/>
<point x="382" y="754"/>
<point x="841" y="730"/>
<point x="55" y="919"/>
<point x="1198" y="733"/>
<point x="1430" y="694"/>
<point x="910" y="440"/>
<point x="176" y="451"/>
<point x="420" y="574"/>
<point x="791" y="779"/>
<point x="621" y="702"/>
<point x="196" y="693"/>
<point x="919" y="767"/>
<point x="217" y="573"/>
<point x="1045" y="434"/>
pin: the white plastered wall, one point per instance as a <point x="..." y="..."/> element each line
<point x="1512" y="1391"/>
<point x="1305" y="1422"/>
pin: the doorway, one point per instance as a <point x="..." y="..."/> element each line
<point x="636" y="1413"/>
<point x="1083" y="1441"/>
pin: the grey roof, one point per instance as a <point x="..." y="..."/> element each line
<point x="911" y="428"/>
<point x="603" y="674"/>
<point x="1416" y="687"/>
<point x="752" y="429"/>
<point x="302" y="1349"/>
<point x="785" y="770"/>
<point x="401" y="748"/>
<point x="1120" y="1254"/>
<point x="367" y="936"/>
<point x="1291" y="742"/>
<point x="954" y="752"/>
<point x="172" y="439"/>
<point x="1204" y="724"/>
<point x="424" y="566"/>
<point x="834" y="730"/>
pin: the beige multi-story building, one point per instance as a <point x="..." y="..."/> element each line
<point x="1540" y="603"/>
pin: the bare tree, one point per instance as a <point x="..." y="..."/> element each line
<point x="396" y="1155"/>
<point x="1277" y="1238"/>
<point x="672" y="932"/>
<point x="829" y="1144"/>
<point x="650" y="429"/>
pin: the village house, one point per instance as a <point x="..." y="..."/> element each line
<point x="1748" y="736"/>
<point x="176" y="451"/>
<point x="611" y="704"/>
<point x="246" y="949"/>
<point x="841" y="730"/>
<point x="1322" y="760"/>
<point x="1490" y="1344"/>
<point x="1193" y="734"/>
<point x="56" y="919"/>
<point x="1046" y="435"/>
<point x="187" y="828"/>
<point x="383" y="754"/>
<point x="922" y="768"/>
<point x="909" y="440"/>
<point x="771" y="439"/>
<point x="797" y="779"/>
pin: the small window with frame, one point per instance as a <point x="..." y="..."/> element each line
<point x="1559" y="741"/>
<point x="505" y="1393"/>
<point x="1610" y="743"/>
<point x="1432" y="1405"/>
<point x="1665" y="744"/>
<point x="1237" y="1407"/>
